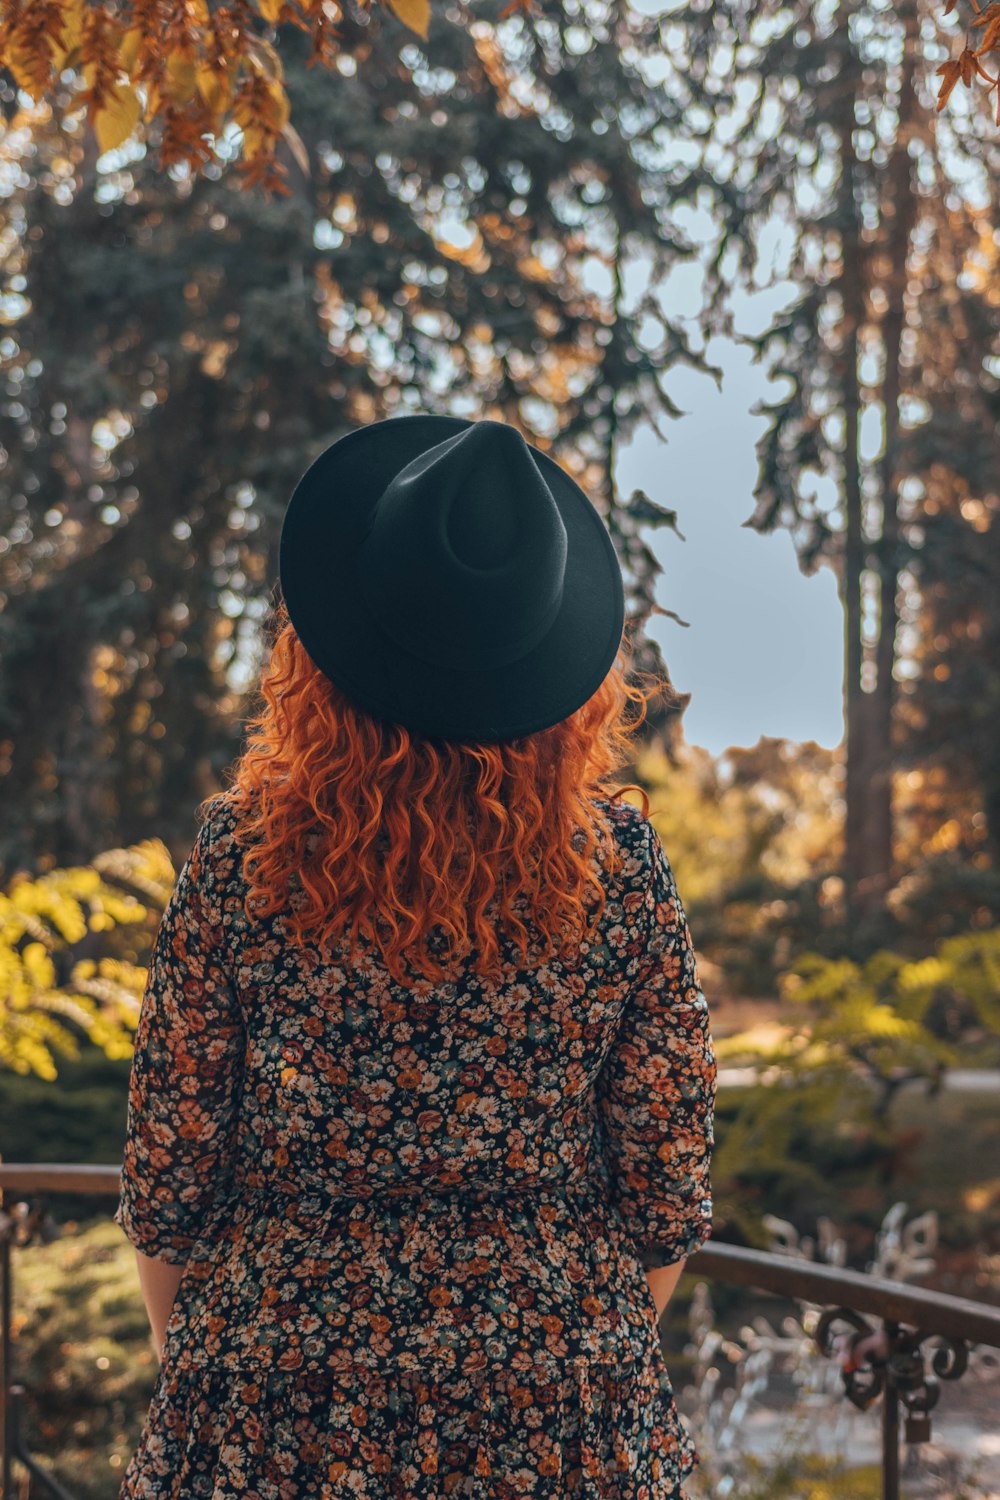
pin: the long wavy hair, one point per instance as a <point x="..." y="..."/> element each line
<point x="418" y="836"/>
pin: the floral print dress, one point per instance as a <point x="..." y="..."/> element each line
<point x="414" y="1222"/>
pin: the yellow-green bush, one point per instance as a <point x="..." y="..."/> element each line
<point x="58" y="978"/>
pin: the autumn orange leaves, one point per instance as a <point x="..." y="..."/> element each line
<point x="191" y="68"/>
<point x="967" y="66"/>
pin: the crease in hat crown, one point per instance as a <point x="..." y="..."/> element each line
<point x="465" y="554"/>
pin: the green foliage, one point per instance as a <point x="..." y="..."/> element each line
<point x="79" y="1117"/>
<point x="860" y="1017"/>
<point x="967" y="969"/>
<point x="829" y="1078"/>
<point x="962" y="1188"/>
<point x="794" y="1150"/>
<point x="53" y="985"/>
<point x="753" y="837"/>
<point x="890" y="1016"/>
<point x="83" y="1350"/>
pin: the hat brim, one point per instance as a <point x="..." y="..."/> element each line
<point x="326" y="520"/>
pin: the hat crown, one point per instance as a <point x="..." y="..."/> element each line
<point x="465" y="555"/>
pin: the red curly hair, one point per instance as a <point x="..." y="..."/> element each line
<point x="417" y="835"/>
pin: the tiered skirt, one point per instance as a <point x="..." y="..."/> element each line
<point x="597" y="1432"/>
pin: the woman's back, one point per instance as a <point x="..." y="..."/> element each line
<point x="417" y="1217"/>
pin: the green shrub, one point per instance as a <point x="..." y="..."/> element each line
<point x="82" y="1350"/>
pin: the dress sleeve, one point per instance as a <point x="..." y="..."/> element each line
<point x="187" y="1073"/>
<point x="656" y="1088"/>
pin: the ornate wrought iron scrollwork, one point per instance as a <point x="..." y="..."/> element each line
<point x="951" y="1358"/>
<point x="893" y="1363"/>
<point x="863" y="1382"/>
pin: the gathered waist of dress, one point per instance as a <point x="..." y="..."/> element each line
<point x="421" y="1275"/>
<point x="313" y="1192"/>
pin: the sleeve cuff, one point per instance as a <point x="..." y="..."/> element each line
<point x="653" y="1256"/>
<point x="157" y="1243"/>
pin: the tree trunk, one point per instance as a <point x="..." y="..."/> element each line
<point x="900" y="209"/>
<point x="869" y="706"/>
<point x="857" y="717"/>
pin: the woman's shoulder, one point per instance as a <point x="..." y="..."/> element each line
<point x="218" y="820"/>
<point x="217" y="814"/>
<point x="633" y="835"/>
<point x="627" y="820"/>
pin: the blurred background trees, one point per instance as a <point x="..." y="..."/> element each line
<point x="881" y="449"/>
<point x="177" y="351"/>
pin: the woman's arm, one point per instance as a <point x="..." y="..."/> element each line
<point x="159" y="1280"/>
<point x="662" y="1281"/>
<point x="656" y="1092"/>
<point x="185" y="1086"/>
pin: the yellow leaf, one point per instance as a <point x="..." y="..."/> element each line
<point x="263" y="57"/>
<point x="128" y="48"/>
<point x="181" y="75"/>
<point x="71" y="16"/>
<point x="26" y="66"/>
<point x="270" y="9"/>
<point x="199" y="10"/>
<point x="413" y="13"/>
<point x="214" y="90"/>
<point x="254" y="141"/>
<point x="115" y="122"/>
<point x="282" y="109"/>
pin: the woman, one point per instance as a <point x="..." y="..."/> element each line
<point x="420" y="1114"/>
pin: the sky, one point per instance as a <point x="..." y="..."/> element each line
<point x="763" y="651"/>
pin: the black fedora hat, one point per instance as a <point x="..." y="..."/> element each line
<point x="448" y="576"/>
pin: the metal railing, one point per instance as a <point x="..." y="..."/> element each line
<point x="894" y="1320"/>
